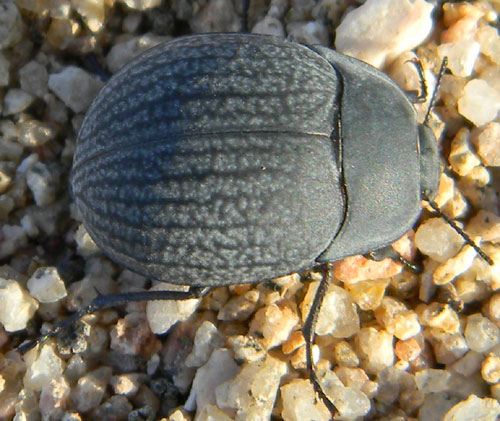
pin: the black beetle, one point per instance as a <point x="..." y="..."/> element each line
<point x="232" y="158"/>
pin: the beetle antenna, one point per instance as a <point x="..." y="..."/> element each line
<point x="459" y="230"/>
<point x="442" y="69"/>
<point x="308" y="330"/>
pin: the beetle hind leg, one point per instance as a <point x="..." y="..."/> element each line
<point x="308" y="330"/>
<point x="388" y="252"/>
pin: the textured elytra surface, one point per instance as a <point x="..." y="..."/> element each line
<point x="210" y="160"/>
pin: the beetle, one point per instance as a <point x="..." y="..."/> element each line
<point x="228" y="158"/>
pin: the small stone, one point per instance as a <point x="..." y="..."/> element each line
<point x="448" y="347"/>
<point x="11" y="26"/>
<point x="300" y="402"/>
<point x="364" y="32"/>
<point x="247" y="348"/>
<point x="274" y="323"/>
<point x="269" y="26"/>
<point x="435" y="406"/>
<point x="17" y="307"/>
<point x="469" y="364"/>
<point x="4" y="70"/>
<point x="440" y="316"/>
<point x="408" y="350"/>
<point x="432" y="380"/>
<point x="487" y="274"/>
<point x="475" y="187"/>
<point x="33" y="78"/>
<point x="486" y="225"/>
<point x="62" y="32"/>
<point x="123" y="52"/>
<point x="253" y="391"/>
<point x="141" y="4"/>
<point x="216" y="16"/>
<point x="90" y="389"/>
<point x="352" y="377"/>
<point x="457" y="265"/>
<point x="492" y="308"/>
<point x="294" y="342"/>
<point x="33" y="133"/>
<point x="375" y="349"/>
<point x="474" y="408"/>
<point x="396" y="319"/>
<point x="85" y="245"/>
<point x="436" y="239"/>
<point x="368" y="294"/>
<point x="163" y="314"/>
<point x="490" y="369"/>
<point x="43" y="183"/>
<point x="54" y="397"/>
<point x="116" y="408"/>
<point x="12" y="239"/>
<point x="44" y="366"/>
<point x="481" y="333"/>
<point x="127" y="384"/>
<point x="220" y="368"/>
<point x="16" y="101"/>
<point x="298" y="360"/>
<point x="131" y="335"/>
<point x="92" y="12"/>
<point x="207" y="339"/>
<point x="461" y="157"/>
<point x="462" y="56"/>
<point x="310" y="33"/>
<point x="75" y="87"/>
<point x="337" y="316"/>
<point x="46" y="285"/>
<point x="490" y="42"/>
<point x="345" y="355"/>
<point x="240" y="307"/>
<point x="479" y="102"/>
<point x="487" y="143"/>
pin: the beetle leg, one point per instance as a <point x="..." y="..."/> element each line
<point x="388" y="252"/>
<point x="308" y="330"/>
<point x="415" y="96"/>
<point x="102" y="302"/>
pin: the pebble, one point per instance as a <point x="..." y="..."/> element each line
<point x="247" y="348"/>
<point x="16" y="101"/>
<point x="54" y="397"/>
<point x="34" y="133"/>
<point x="408" y="23"/>
<point x="462" y="56"/>
<point x="374" y="349"/>
<point x="457" y="265"/>
<point x="436" y="239"/>
<point x="85" y="245"/>
<point x="300" y="402"/>
<point x="487" y="143"/>
<point x="461" y="157"/>
<point x="207" y="338"/>
<point x="435" y="406"/>
<point x="440" y="316"/>
<point x="479" y="102"/>
<point x="469" y="364"/>
<point x="75" y="87"/>
<point x="253" y="391"/>
<point x="490" y="42"/>
<point x="11" y="26"/>
<point x="220" y="368"/>
<point x="448" y="347"/>
<point x="310" y="33"/>
<point x="490" y="369"/>
<point x="408" y="350"/>
<point x="345" y="355"/>
<point x="432" y="380"/>
<point x="337" y="316"/>
<point x="269" y="25"/>
<point x="486" y="225"/>
<point x="481" y="333"/>
<point x="163" y="314"/>
<point x="4" y="70"/>
<point x="13" y="238"/>
<point x="43" y="182"/>
<point x="90" y="389"/>
<point x="127" y="384"/>
<point x="131" y="336"/>
<point x="474" y="408"/>
<point x="116" y="408"/>
<point x="46" y="285"/>
<point x="123" y="52"/>
<point x="92" y="12"/>
<point x="240" y="307"/>
<point x="45" y="365"/>
<point x="368" y="294"/>
<point x="397" y="319"/>
<point x="17" y="307"/>
<point x="274" y="323"/>
<point x="216" y="16"/>
<point x="141" y="4"/>
<point x="33" y="78"/>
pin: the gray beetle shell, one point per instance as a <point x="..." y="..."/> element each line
<point x="232" y="158"/>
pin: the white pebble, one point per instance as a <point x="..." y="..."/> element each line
<point x="207" y="338"/>
<point x="487" y="142"/>
<point x="300" y="402"/>
<point x="163" y="314"/>
<point x="17" y="307"/>
<point x="33" y="78"/>
<point x="380" y="30"/>
<point x="46" y="285"/>
<point x="141" y="4"/>
<point x="436" y="239"/>
<point x="481" y="333"/>
<point x="462" y="56"/>
<point x="479" y="102"/>
<point x="337" y="316"/>
<point x="46" y="366"/>
<point x="474" y="408"/>
<point x="433" y="380"/>
<point x="457" y="265"/>
<point x="253" y="391"/>
<point x="4" y="70"/>
<point x="375" y="349"/>
<point x="43" y="183"/>
<point x="16" y="100"/>
<point x="75" y="87"/>
<point x="90" y="389"/>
